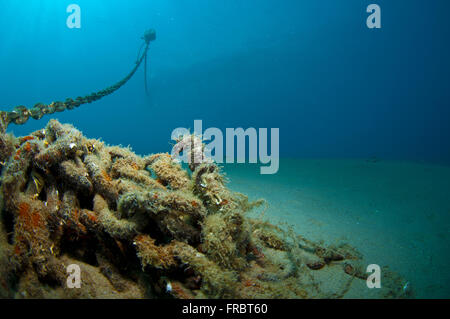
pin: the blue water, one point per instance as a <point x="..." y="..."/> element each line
<point x="334" y="87"/>
<point x="313" y="69"/>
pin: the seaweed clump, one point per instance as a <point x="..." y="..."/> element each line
<point x="143" y="227"/>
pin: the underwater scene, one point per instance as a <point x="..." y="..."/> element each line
<point x="224" y="149"/>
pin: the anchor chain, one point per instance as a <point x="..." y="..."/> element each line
<point x="21" y="114"/>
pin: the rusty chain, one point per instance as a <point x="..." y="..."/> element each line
<point x="21" y="114"/>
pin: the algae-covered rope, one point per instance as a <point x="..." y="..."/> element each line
<point x="20" y="114"/>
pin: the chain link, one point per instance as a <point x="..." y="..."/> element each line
<point x="21" y="114"/>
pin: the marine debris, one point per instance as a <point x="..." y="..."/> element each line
<point x="144" y="227"/>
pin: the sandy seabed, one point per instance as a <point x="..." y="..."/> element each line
<point x="395" y="213"/>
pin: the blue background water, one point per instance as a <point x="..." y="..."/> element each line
<point x="311" y="68"/>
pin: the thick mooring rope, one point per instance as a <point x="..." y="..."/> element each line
<point x="20" y="114"/>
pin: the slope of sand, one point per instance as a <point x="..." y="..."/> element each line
<point x="394" y="213"/>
